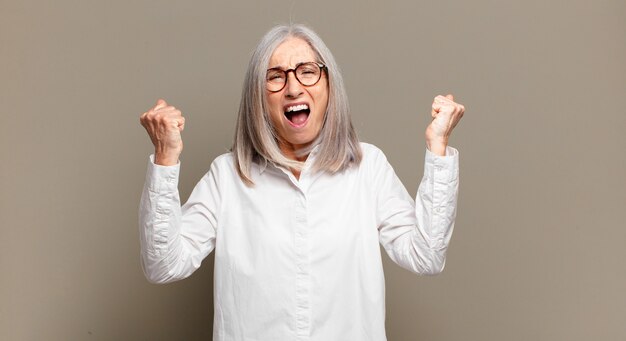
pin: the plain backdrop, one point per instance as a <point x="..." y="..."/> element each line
<point x="538" y="249"/>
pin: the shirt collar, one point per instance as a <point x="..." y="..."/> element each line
<point x="263" y="164"/>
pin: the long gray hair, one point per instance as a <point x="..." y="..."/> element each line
<point x="255" y="137"/>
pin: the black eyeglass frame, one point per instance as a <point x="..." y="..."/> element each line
<point x="322" y="67"/>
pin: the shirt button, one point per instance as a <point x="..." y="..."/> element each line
<point x="439" y="209"/>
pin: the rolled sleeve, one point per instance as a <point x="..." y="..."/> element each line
<point x="159" y="195"/>
<point x="174" y="240"/>
<point x="416" y="234"/>
<point x="437" y="196"/>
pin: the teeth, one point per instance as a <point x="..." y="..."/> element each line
<point x="297" y="107"/>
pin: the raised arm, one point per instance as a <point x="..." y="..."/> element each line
<point x="416" y="234"/>
<point x="174" y="240"/>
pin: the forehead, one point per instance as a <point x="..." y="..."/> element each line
<point x="291" y="52"/>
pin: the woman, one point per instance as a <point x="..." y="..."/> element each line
<point x="296" y="211"/>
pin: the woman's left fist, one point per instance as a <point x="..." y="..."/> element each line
<point x="446" y="114"/>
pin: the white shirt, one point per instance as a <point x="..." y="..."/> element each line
<point x="298" y="259"/>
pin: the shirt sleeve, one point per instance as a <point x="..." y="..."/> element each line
<point x="416" y="234"/>
<point x="174" y="240"/>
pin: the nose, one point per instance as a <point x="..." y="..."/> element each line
<point x="293" y="88"/>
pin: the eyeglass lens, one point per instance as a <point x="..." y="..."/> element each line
<point x="307" y="74"/>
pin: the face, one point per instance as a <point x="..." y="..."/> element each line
<point x="297" y="111"/>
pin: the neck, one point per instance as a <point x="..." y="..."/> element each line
<point x="296" y="173"/>
<point x="292" y="152"/>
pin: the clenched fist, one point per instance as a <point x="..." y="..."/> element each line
<point x="446" y="114"/>
<point x="164" y="124"/>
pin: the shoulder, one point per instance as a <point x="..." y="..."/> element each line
<point x="372" y="154"/>
<point x="374" y="161"/>
<point x="221" y="166"/>
<point x="223" y="160"/>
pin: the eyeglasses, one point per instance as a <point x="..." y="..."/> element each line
<point x="308" y="74"/>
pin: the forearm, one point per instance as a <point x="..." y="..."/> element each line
<point x="164" y="257"/>
<point x="158" y="209"/>
<point x="416" y="235"/>
<point x="435" y="209"/>
<point x="175" y="239"/>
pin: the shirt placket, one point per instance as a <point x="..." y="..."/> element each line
<point x="301" y="242"/>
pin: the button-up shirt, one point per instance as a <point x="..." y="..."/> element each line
<point x="298" y="259"/>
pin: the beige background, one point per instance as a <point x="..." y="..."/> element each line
<point x="538" y="251"/>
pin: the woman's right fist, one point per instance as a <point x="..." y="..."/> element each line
<point x="164" y="124"/>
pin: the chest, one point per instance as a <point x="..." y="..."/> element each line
<point x="277" y="219"/>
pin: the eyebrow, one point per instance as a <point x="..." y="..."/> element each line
<point x="280" y="67"/>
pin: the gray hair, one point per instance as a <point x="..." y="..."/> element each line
<point x="256" y="139"/>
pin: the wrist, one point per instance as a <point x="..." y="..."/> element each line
<point x="162" y="159"/>
<point x="437" y="146"/>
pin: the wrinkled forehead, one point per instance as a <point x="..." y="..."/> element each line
<point x="292" y="52"/>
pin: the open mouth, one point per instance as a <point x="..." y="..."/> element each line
<point x="297" y="114"/>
